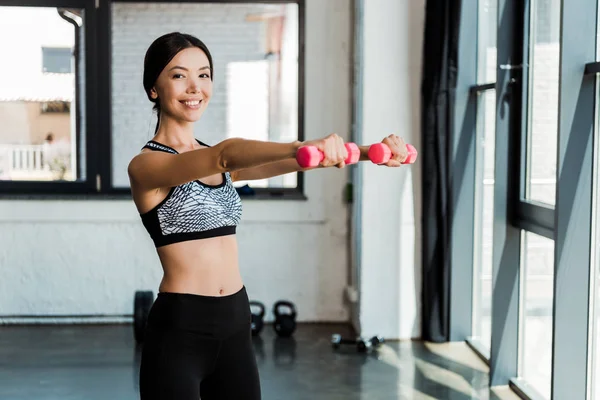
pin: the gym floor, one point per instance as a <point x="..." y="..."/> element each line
<point x="93" y="362"/>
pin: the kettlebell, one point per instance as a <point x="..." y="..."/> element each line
<point x="257" y="318"/>
<point x="285" y="323"/>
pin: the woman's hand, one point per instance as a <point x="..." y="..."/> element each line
<point x="398" y="149"/>
<point x="333" y="149"/>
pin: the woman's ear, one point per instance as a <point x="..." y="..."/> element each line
<point x="153" y="94"/>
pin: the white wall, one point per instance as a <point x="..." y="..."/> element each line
<point x="89" y="256"/>
<point x="390" y="277"/>
<point x="232" y="41"/>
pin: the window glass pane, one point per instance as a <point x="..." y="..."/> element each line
<point x="255" y="89"/>
<point x="537" y="298"/>
<point x="40" y="121"/>
<point x="544" y="60"/>
<point x="486" y="39"/>
<point x="484" y="218"/>
<point x="56" y="59"/>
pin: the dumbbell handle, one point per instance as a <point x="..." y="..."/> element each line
<point x="305" y="158"/>
<point x="380" y="153"/>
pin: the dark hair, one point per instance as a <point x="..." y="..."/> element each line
<point x="160" y="53"/>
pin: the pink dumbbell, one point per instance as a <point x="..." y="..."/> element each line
<point x="310" y="156"/>
<point x="380" y="153"/>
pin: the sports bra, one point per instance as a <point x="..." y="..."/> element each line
<point x="194" y="210"/>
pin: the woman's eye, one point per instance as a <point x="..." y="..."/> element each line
<point x="177" y="76"/>
<point x="204" y="76"/>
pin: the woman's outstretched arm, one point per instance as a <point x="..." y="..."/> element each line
<point x="283" y="167"/>
<point x="153" y="169"/>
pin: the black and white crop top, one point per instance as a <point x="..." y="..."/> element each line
<point x="194" y="210"/>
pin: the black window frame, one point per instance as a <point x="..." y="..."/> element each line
<point x="562" y="222"/>
<point x="105" y="49"/>
<point x="62" y="189"/>
<point x="526" y="214"/>
<point x="97" y="103"/>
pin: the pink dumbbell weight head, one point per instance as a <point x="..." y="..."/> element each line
<point x="380" y="153"/>
<point x="310" y="156"/>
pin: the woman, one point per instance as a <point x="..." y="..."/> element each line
<point x="198" y="338"/>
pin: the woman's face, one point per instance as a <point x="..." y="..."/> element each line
<point x="184" y="87"/>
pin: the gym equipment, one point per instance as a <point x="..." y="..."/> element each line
<point x="362" y="346"/>
<point x="310" y="156"/>
<point x="285" y="324"/>
<point x="142" y="303"/>
<point x="380" y="153"/>
<point x="257" y="318"/>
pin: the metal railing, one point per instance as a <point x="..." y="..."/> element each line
<point x="23" y="158"/>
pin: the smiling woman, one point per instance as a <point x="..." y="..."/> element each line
<point x="186" y="81"/>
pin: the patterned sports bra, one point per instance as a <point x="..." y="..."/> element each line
<point x="194" y="210"/>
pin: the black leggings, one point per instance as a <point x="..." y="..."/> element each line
<point x="199" y="347"/>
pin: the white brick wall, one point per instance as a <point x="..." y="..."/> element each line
<point x="232" y="42"/>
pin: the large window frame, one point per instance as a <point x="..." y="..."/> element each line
<point x="478" y="93"/>
<point x="98" y="181"/>
<point x="89" y="185"/>
<point x="527" y="214"/>
<point x="568" y="223"/>
<point x="482" y="350"/>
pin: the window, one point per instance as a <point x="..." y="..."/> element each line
<point x="545" y="342"/>
<point x="542" y="103"/>
<point x="261" y="58"/>
<point x="42" y="118"/>
<point x="537" y="299"/>
<point x="484" y="218"/>
<point x="484" y="177"/>
<point x="57" y="60"/>
<point x="487" y="26"/>
<point x="535" y="205"/>
<point x="84" y="96"/>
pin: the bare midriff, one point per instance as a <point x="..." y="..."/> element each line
<point x="207" y="267"/>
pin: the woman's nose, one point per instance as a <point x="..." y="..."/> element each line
<point x="194" y="86"/>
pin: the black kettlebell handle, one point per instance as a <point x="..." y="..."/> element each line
<point x="259" y="305"/>
<point x="283" y="303"/>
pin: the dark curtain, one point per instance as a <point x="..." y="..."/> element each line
<point x="440" y="54"/>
